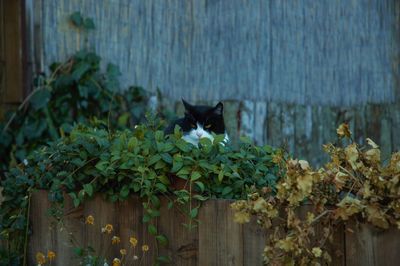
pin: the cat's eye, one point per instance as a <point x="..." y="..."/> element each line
<point x="193" y="125"/>
<point x="208" y="126"/>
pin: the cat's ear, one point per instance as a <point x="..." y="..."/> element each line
<point x="219" y="109"/>
<point x="187" y="105"/>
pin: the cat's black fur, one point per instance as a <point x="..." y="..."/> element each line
<point x="204" y="115"/>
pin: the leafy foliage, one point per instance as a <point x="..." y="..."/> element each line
<point x="143" y="161"/>
<point x="353" y="185"/>
<point x="76" y="91"/>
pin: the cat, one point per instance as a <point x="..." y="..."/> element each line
<point x="200" y="122"/>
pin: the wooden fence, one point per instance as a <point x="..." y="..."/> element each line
<point x="218" y="240"/>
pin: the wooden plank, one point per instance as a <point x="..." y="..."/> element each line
<point x="104" y="212"/>
<point x="274" y="125"/>
<point x="13" y="57"/>
<point x="247" y="109"/>
<point x="130" y="213"/>
<point x="254" y="241"/>
<point x="288" y="126"/>
<point x="220" y="238"/>
<point x="373" y="117"/>
<point x="260" y="119"/>
<point x="395" y="115"/>
<point x="385" y="138"/>
<point x="43" y="237"/>
<point x="69" y="231"/>
<point x="360" y="124"/>
<point x="149" y="257"/>
<point x="231" y="111"/>
<point x="367" y="245"/>
<point x="183" y="244"/>
<point x="303" y="131"/>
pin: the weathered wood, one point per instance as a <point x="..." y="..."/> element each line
<point x="274" y="133"/>
<point x="11" y="67"/>
<point x="183" y="243"/>
<point x="220" y="238"/>
<point x="254" y="241"/>
<point x="104" y="213"/>
<point x="217" y="241"/>
<point x="288" y="127"/>
<point x="279" y="51"/>
<point x="366" y="245"/>
<point x="43" y="237"/>
<point x="247" y="119"/>
<point x="231" y="111"/>
<point x="395" y="115"/>
<point x="130" y="215"/>
<point x="260" y="121"/>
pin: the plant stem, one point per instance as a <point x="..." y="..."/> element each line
<point x="26" y="228"/>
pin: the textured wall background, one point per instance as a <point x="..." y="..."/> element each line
<point x="336" y="52"/>
<point x="289" y="71"/>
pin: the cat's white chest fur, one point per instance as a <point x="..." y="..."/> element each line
<point x="194" y="135"/>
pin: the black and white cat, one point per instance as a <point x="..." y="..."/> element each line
<point x="200" y="122"/>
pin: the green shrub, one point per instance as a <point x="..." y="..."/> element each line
<point x="76" y="91"/>
<point x="142" y="161"/>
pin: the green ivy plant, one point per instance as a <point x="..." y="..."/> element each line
<point x="141" y="162"/>
<point x="76" y="91"/>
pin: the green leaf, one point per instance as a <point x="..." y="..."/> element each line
<point x="167" y="158"/>
<point x="124" y="191"/>
<point x="162" y="240"/>
<point x="159" y="135"/>
<point x="102" y="165"/>
<point x="221" y="175"/>
<point x="40" y="98"/>
<point x="152" y="229"/>
<point x="78" y="251"/>
<point x="170" y="205"/>
<point x="132" y="143"/>
<point x="200" y="197"/>
<point x="164" y="259"/>
<point x="176" y="166"/>
<point x="195" y="175"/>
<point x="154" y="159"/>
<point x="155" y="201"/>
<point x="88" y="189"/>
<point x="164" y="179"/>
<point x="79" y="70"/>
<point x="194" y="212"/>
<point x="76" y="19"/>
<point x="88" y="24"/>
<point x="76" y="202"/>
<point x="226" y="190"/>
<point x="219" y="138"/>
<point x="183" y="145"/>
<point x="200" y="185"/>
<point x="146" y="218"/>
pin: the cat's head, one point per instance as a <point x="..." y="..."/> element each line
<point x="201" y="121"/>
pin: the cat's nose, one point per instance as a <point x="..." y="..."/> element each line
<point x="199" y="134"/>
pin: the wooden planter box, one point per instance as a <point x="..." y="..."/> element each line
<point x="218" y="240"/>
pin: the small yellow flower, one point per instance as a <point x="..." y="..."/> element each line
<point x="123" y="252"/>
<point x="145" y="248"/>
<point x="51" y="254"/>
<point x="107" y="229"/>
<point x="317" y="252"/>
<point x="133" y="241"/>
<point x="41" y="259"/>
<point x="115" y="240"/>
<point x="89" y="220"/>
<point x="116" y="262"/>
